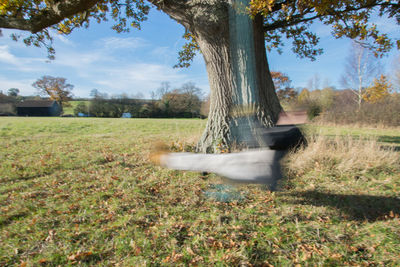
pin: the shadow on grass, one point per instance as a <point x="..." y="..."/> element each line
<point x="354" y="207"/>
<point x="6" y="220"/>
<point x="393" y="140"/>
<point x="389" y="139"/>
<point x="52" y="171"/>
<point x="395" y="148"/>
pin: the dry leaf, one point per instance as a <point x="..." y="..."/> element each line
<point x="190" y="251"/>
<point x="79" y="256"/>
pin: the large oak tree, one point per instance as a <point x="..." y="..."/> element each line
<point x="56" y="88"/>
<point x="232" y="35"/>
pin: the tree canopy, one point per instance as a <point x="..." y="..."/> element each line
<point x="13" y="92"/>
<point x="282" y="86"/>
<point x="350" y="18"/>
<point x="379" y="89"/>
<point x="56" y="88"/>
<point x="282" y="19"/>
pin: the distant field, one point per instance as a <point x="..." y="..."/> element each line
<point x="70" y="110"/>
<point x="81" y="191"/>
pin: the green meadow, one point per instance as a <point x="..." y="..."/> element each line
<point x="82" y="191"/>
<point x="69" y="110"/>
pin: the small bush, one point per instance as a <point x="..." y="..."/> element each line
<point x="80" y="108"/>
<point x="385" y="113"/>
<point x="313" y="110"/>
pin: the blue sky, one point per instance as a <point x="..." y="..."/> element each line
<point x="139" y="61"/>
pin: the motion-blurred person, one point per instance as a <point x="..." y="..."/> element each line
<point x="260" y="164"/>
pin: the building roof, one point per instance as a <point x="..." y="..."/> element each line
<point x="36" y="104"/>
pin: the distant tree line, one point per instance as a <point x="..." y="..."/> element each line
<point x="376" y="104"/>
<point x="370" y="97"/>
<point x="183" y="102"/>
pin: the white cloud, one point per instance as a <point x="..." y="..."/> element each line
<point x="81" y="60"/>
<point x="64" y="40"/>
<point x="103" y="64"/>
<point x="140" y="77"/>
<point x="24" y="85"/>
<point x="164" y="54"/>
<point x="24" y="64"/>
<point x="123" y="43"/>
<point x="105" y="70"/>
<point x="386" y="25"/>
<point x="162" y="51"/>
<point x="104" y="53"/>
<point x="6" y="56"/>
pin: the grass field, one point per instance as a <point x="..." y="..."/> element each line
<point x="81" y="191"/>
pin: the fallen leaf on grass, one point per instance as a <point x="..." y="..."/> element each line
<point x="42" y="261"/>
<point x="137" y="251"/>
<point x="50" y="237"/>
<point x="79" y="256"/>
<point x="136" y="248"/>
<point x="391" y="214"/>
<point x="190" y="251"/>
<point x="336" y="256"/>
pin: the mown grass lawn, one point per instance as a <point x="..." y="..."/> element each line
<point x="81" y="191"/>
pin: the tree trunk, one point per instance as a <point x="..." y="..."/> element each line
<point x="242" y="92"/>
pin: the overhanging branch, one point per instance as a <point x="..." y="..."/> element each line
<point x="52" y="15"/>
<point x="299" y="18"/>
<point x="12" y="23"/>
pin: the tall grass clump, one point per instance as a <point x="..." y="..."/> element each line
<point x="343" y="157"/>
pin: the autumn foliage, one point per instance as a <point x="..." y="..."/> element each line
<point x="378" y="90"/>
<point x="283" y="88"/>
<point x="56" y="88"/>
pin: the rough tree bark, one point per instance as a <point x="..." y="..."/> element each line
<point x="242" y="91"/>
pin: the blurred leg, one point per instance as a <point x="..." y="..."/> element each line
<point x="254" y="166"/>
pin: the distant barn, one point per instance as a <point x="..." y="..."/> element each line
<point x="38" y="108"/>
